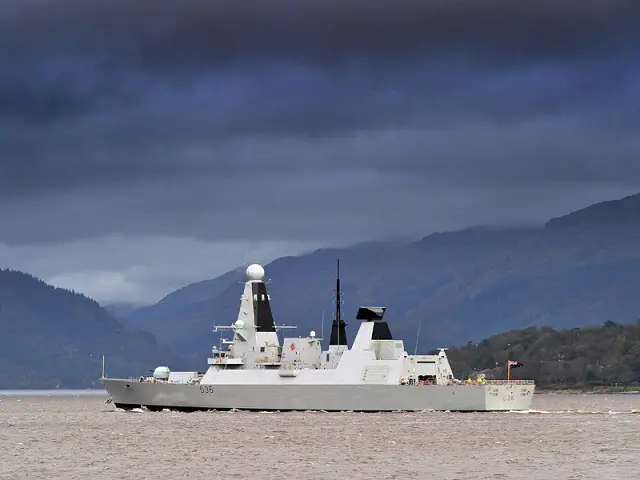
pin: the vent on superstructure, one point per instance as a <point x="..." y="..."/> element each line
<point x="375" y="374"/>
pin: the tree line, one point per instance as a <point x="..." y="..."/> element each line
<point x="577" y="357"/>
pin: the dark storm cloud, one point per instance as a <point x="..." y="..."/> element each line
<point x="72" y="56"/>
<point x="201" y="34"/>
<point x="139" y="117"/>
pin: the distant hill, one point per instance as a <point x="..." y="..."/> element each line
<point x="581" y="357"/>
<point x="577" y="270"/>
<point x="51" y="337"/>
<point x="621" y="214"/>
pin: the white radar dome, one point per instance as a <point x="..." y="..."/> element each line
<point x="161" y="373"/>
<point x="255" y="272"/>
<point x="239" y="324"/>
<point x="312" y="334"/>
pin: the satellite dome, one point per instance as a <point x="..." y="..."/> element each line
<point x="239" y="324"/>
<point x="255" y="272"/>
<point x="161" y="373"/>
<point x="312" y="334"/>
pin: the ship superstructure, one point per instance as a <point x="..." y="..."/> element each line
<point x="257" y="372"/>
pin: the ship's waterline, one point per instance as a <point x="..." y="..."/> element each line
<point x="257" y="372"/>
<point x="373" y="398"/>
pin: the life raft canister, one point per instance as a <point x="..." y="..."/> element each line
<point x="293" y="347"/>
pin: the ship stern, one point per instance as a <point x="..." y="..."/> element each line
<point x="505" y="395"/>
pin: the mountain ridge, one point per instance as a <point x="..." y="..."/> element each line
<point x="466" y="283"/>
<point x="578" y="270"/>
<point x="626" y="209"/>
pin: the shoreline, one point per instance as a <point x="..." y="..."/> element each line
<point x="53" y="392"/>
<point x="586" y="391"/>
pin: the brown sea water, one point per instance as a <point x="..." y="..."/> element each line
<point x="82" y="437"/>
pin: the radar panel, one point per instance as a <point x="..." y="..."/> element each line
<point x="370" y="314"/>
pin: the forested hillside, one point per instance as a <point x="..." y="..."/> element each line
<point x="51" y="337"/>
<point x="581" y="357"/>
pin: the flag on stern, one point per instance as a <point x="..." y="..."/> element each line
<point x="514" y="364"/>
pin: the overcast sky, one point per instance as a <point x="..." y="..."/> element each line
<point x="144" y="145"/>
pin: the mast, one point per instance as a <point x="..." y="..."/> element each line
<point x="338" y="314"/>
<point x="338" y="331"/>
<point x="415" y="352"/>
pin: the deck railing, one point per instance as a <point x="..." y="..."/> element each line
<point x="459" y="382"/>
<point x="508" y="382"/>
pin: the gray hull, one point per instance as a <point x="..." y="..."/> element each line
<point x="372" y="398"/>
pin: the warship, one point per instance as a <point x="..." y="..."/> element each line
<point x="254" y="371"/>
